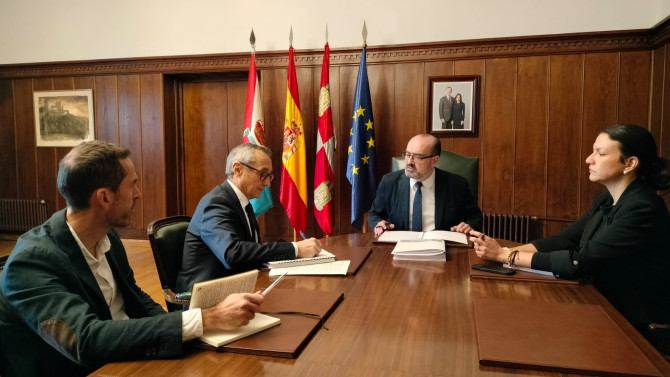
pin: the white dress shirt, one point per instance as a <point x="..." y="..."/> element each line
<point x="427" y="202"/>
<point x="191" y="319"/>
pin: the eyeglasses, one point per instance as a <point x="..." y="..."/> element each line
<point x="409" y="156"/>
<point x="263" y="174"/>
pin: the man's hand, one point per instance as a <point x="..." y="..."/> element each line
<point x="382" y="226"/>
<point x="235" y="311"/>
<point x="308" y="248"/>
<point x="461" y="228"/>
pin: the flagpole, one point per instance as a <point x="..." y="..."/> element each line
<point x="365" y="43"/>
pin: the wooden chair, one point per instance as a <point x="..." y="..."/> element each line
<point x="166" y="237"/>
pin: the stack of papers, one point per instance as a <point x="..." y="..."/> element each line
<point x="420" y="250"/>
<point x="322" y="257"/>
<point x="322" y="264"/>
<point x="393" y="236"/>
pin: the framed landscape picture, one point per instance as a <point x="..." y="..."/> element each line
<point x="453" y="103"/>
<point x="63" y="118"/>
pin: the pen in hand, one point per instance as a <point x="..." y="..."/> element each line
<point x="268" y="289"/>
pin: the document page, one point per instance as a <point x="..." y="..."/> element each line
<point x="211" y="292"/>
<point x="447" y="236"/>
<point x="339" y="267"/>
<point x="393" y="236"/>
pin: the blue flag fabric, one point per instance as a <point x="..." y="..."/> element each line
<point x="361" y="160"/>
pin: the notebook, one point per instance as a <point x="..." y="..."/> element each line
<point x="211" y="292"/>
<point x="323" y="257"/>
<point x="420" y="250"/>
<point x="219" y="338"/>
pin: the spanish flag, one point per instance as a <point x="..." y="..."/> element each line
<point x="293" y="189"/>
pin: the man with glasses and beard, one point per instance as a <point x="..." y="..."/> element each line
<point x="423" y="198"/>
<point x="223" y="237"/>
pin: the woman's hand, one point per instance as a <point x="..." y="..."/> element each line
<point x="487" y="247"/>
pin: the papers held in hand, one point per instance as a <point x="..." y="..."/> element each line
<point x="209" y="293"/>
<point x="420" y="250"/>
<point x="393" y="236"/>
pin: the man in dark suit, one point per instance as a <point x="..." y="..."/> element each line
<point x="223" y="236"/>
<point x="445" y="109"/>
<point x="422" y="197"/>
<point x="68" y="298"/>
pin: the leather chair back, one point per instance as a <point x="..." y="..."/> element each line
<point x="466" y="167"/>
<point x="166" y="237"/>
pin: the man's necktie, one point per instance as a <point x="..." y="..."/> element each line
<point x="416" y="209"/>
<point x="249" y="209"/>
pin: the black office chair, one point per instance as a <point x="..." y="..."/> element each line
<point x="166" y="237"/>
<point x="660" y="332"/>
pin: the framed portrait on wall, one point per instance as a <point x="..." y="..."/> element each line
<point x="453" y="103"/>
<point x="63" y="118"/>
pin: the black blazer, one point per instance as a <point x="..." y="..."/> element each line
<point x="453" y="202"/>
<point x="621" y="249"/>
<point x="218" y="241"/>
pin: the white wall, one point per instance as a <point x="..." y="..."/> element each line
<point x="51" y="30"/>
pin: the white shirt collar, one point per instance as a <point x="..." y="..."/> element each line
<point x="429" y="183"/>
<point x="240" y="195"/>
<point x="101" y="248"/>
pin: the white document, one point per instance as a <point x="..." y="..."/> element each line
<point x="418" y="247"/>
<point x="393" y="236"/>
<point x="217" y="338"/>
<point x="323" y="257"/>
<point x="211" y="292"/>
<point x="531" y="270"/>
<point x="339" y="267"/>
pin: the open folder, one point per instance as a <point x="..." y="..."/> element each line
<point x="209" y="293"/>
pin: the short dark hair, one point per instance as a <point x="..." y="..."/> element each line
<point x="90" y="166"/>
<point x="653" y="170"/>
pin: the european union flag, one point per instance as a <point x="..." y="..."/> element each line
<point x="361" y="161"/>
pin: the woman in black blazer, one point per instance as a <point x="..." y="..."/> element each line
<point x="458" y="113"/>
<point x="622" y="244"/>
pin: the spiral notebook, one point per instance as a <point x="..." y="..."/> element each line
<point x="323" y="257"/>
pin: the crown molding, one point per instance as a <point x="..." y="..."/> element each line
<point x="434" y="51"/>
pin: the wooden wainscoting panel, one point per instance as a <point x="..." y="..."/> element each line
<point x="24" y="123"/>
<point x="154" y="170"/>
<point x="8" y="157"/>
<point x="634" y="86"/>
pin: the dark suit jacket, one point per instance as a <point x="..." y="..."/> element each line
<point x="453" y="202"/>
<point x="54" y="319"/>
<point x="622" y="249"/>
<point x="218" y="241"/>
<point x="445" y="111"/>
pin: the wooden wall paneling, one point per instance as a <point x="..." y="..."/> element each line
<point x="634" y="86"/>
<point x="436" y="69"/>
<point x="530" y="136"/>
<point x="656" y="101"/>
<point x="106" y="108"/>
<point x="600" y="111"/>
<point x="347" y="79"/>
<point x="47" y="165"/>
<point x="205" y="108"/>
<point x="8" y="156"/>
<point x="130" y="135"/>
<point x="25" y="139"/>
<point x="408" y="104"/>
<point x="497" y="126"/>
<point x="471" y="146"/>
<point x="174" y="203"/>
<point x="152" y="149"/>
<point x="565" y="164"/>
<point x="393" y="125"/>
<point x="273" y="91"/>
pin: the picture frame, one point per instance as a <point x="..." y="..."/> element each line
<point x="465" y="112"/>
<point x="63" y="118"/>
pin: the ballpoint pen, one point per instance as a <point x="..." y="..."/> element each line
<point x="268" y="289"/>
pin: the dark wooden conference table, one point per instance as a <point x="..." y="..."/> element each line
<point x="396" y="319"/>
